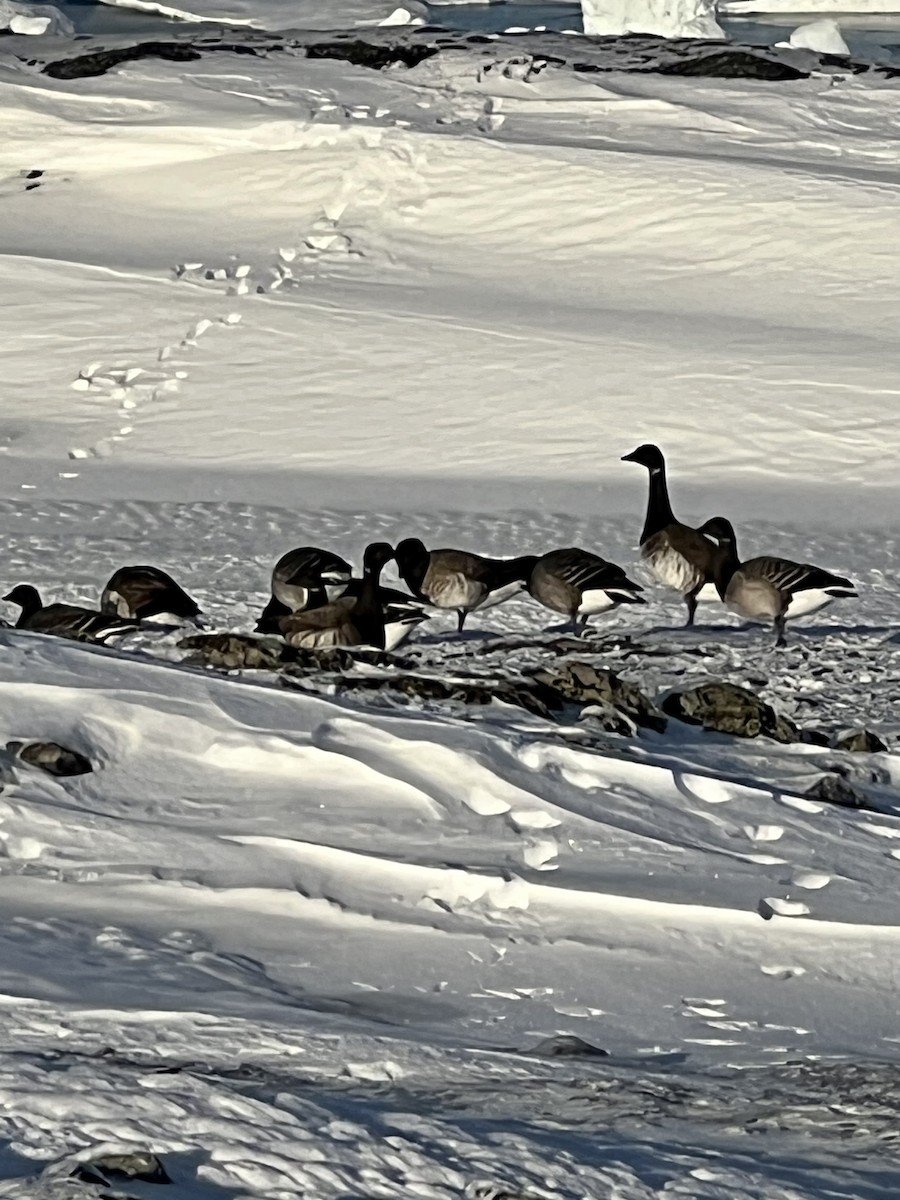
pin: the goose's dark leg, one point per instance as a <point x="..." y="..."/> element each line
<point x="779" y="630"/>
<point x="462" y="620"/>
<point x="573" y="617"/>
<point x="583" y="623"/>
<point x="691" y="602"/>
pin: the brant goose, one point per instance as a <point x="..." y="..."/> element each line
<point x="141" y="593"/>
<point x="359" y="622"/>
<point x="579" y="584"/>
<point x="678" y="555"/>
<point x="771" y="589"/>
<point x="458" y="579"/>
<point x="303" y="578"/>
<point x="65" y="620"/>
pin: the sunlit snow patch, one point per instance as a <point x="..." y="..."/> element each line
<point x="667" y="18"/>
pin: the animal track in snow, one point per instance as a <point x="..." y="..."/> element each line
<point x="764" y="833"/>
<point x="783" y="972"/>
<point x="134" y="387"/>
<point x="811" y="880"/>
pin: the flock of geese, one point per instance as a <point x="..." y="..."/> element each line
<point x="316" y="601"/>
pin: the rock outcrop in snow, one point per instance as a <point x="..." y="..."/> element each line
<point x="667" y="18"/>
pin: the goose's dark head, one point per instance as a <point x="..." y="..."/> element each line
<point x="648" y="456"/>
<point x="410" y="554"/>
<point x="26" y="596"/>
<point x="376" y="556"/>
<point x="720" y="530"/>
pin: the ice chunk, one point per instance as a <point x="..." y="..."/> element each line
<point x="667" y="18"/>
<point x="823" y="36"/>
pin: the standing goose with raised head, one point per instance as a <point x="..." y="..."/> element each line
<point x="458" y="579"/>
<point x="303" y="578"/>
<point x="678" y="555"/>
<point x="580" y="584"/>
<point x="360" y="622"/>
<point x="65" y="620"/>
<point x="142" y="593"/>
<point x="768" y="588"/>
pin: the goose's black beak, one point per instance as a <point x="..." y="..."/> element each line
<point x="632" y="457"/>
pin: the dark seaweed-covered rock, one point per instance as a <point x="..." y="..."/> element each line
<point x="237" y="651"/>
<point x="98" y="62"/>
<point x="366" y="53"/>
<point x="858" y="741"/>
<point x="835" y="789"/>
<point x="51" y="757"/>
<point x="581" y="683"/>
<point x="566" y="1045"/>
<point x="247" y="652"/>
<point x="733" y="62"/>
<point x="727" y="708"/>
<point x="137" y="1165"/>
<point x="521" y="693"/>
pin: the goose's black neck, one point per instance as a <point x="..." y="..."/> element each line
<point x="368" y="611"/>
<point x="725" y="563"/>
<point x="413" y="567"/>
<point x="659" y="508"/>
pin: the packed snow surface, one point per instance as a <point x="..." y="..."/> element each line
<point x="305" y="945"/>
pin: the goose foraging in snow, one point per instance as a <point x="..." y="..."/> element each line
<point x="65" y="620"/>
<point x="142" y="593"/>
<point x="346" y="622"/>
<point x="678" y="555"/>
<point x="303" y="578"/>
<point x="579" y="584"/>
<point x="458" y="579"/>
<point x="768" y="588"/>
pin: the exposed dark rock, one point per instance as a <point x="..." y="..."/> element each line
<point x="247" y="652"/>
<point x="566" y="1045"/>
<point x="368" y="54"/>
<point x="835" y="789"/>
<point x="237" y="651"/>
<point x="727" y="708"/>
<point x="380" y="48"/>
<point x="521" y="693"/>
<point x="106" y="1168"/>
<point x="608" y="719"/>
<point x="733" y="62"/>
<point x="51" y="757"/>
<point x="814" y="737"/>
<point x="859" y="741"/>
<point x="98" y="62"/>
<point x="582" y="683"/>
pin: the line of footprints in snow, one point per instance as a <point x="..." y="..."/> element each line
<point x="134" y="388"/>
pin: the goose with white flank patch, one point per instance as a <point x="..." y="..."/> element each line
<point x="458" y="579"/>
<point x="147" y="593"/>
<point x="303" y="578"/>
<point x="346" y="622"/>
<point x="65" y="620"/>
<point x="580" y="584"/>
<point x="678" y="555"/>
<point x="768" y="588"/>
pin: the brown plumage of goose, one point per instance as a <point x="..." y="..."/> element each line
<point x="768" y="588"/>
<point x="65" y="620"/>
<point x="359" y="622"/>
<point x="678" y="555"/>
<point x="458" y="579"/>
<point x="580" y="584"/>
<point x="142" y="593"/>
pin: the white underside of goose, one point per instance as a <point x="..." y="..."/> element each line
<point x="396" y="632"/>
<point x="810" y="601"/>
<point x="499" y="595"/>
<point x="596" y="601"/>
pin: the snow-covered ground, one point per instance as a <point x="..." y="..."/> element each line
<point x="302" y="946"/>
